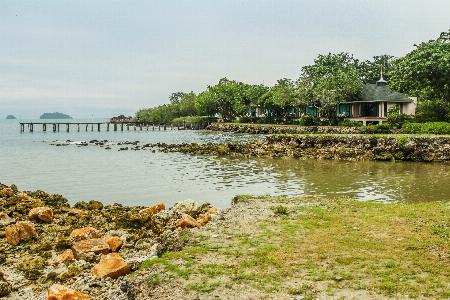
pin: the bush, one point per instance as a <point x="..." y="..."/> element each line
<point x="427" y="128"/>
<point x="194" y="119"/>
<point x="379" y="128"/>
<point x="309" y="121"/>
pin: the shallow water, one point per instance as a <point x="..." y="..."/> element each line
<point x="146" y="178"/>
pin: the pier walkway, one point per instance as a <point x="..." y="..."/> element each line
<point x="116" y="126"/>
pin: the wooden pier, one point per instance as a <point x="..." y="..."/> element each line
<point x="116" y="126"/>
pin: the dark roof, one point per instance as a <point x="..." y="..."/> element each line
<point x="380" y="91"/>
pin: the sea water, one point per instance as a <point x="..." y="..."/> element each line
<point x="33" y="161"/>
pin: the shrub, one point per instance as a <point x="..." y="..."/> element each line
<point x="349" y="123"/>
<point x="427" y="128"/>
<point x="309" y="121"/>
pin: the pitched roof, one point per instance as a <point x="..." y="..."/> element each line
<point x="380" y="91"/>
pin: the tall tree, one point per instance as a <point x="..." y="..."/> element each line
<point x="280" y="98"/>
<point x="371" y="70"/>
<point x="332" y="79"/>
<point x="425" y="71"/>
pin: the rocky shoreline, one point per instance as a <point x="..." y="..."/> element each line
<point x="50" y="250"/>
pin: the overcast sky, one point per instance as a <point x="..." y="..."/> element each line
<point x="106" y="58"/>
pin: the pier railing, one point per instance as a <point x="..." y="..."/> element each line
<point x="116" y="126"/>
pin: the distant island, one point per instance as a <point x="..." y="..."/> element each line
<point x="10" y="117"/>
<point x="55" y="115"/>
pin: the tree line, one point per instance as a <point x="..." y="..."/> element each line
<point x="332" y="79"/>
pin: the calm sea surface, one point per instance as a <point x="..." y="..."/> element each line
<point x="81" y="173"/>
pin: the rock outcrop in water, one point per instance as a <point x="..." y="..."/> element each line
<point x="49" y="249"/>
<point x="347" y="147"/>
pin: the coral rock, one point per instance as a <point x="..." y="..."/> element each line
<point x="114" y="242"/>
<point x="19" y="231"/>
<point x="203" y="219"/>
<point x="41" y="213"/>
<point x="186" y="221"/>
<point x="213" y="210"/>
<point x="76" y="211"/>
<point x="111" y="265"/>
<point x="6" y="192"/>
<point x="153" y="210"/>
<point x="97" y="246"/>
<point x="83" y="234"/>
<point x="188" y="207"/>
<point x="63" y="257"/>
<point x="5" y="286"/>
<point x="5" y="219"/>
<point x="60" y="292"/>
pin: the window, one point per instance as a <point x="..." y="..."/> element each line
<point x="369" y="109"/>
<point x="345" y="110"/>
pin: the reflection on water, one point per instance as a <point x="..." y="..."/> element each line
<point x="146" y="178"/>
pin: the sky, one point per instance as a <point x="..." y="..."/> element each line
<point x="92" y="58"/>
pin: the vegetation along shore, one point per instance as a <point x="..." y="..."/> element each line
<point x="261" y="247"/>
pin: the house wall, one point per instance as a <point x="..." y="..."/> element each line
<point x="410" y="108"/>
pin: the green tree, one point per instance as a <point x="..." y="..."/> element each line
<point x="332" y="79"/>
<point x="226" y="98"/>
<point x="371" y="70"/>
<point x="280" y="98"/>
<point x="425" y="71"/>
<point x="432" y="111"/>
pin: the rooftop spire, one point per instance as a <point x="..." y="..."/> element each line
<point x="381" y="81"/>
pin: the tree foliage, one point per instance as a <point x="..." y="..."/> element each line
<point x="280" y="99"/>
<point x="425" y="71"/>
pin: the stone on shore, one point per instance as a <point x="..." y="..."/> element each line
<point x="213" y="210"/>
<point x="188" y="207"/>
<point x="5" y="286"/>
<point x="7" y="192"/>
<point x="60" y="292"/>
<point x="63" y="257"/>
<point x="186" y="221"/>
<point x="96" y="245"/>
<point x="83" y="234"/>
<point x="153" y="209"/>
<point x="76" y="212"/>
<point x="5" y="220"/>
<point x="111" y="265"/>
<point x="41" y="213"/>
<point x="203" y="219"/>
<point x="114" y="243"/>
<point x="19" y="231"/>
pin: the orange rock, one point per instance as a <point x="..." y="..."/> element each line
<point x="83" y="234"/>
<point x="186" y="221"/>
<point x="60" y="292"/>
<point x="76" y="211"/>
<point x="202" y="219"/>
<point x="98" y="246"/>
<point x="41" y="213"/>
<point x="212" y="210"/>
<point x="111" y="265"/>
<point x="7" y="192"/>
<point x="63" y="257"/>
<point x="153" y="210"/>
<point x="19" y="231"/>
<point x="114" y="242"/>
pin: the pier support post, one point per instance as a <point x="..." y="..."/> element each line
<point x="115" y="126"/>
<point x="98" y="126"/>
<point x="92" y="127"/>
<point x="121" y="126"/>
<point x="22" y="127"/>
<point x="78" y="127"/>
<point x="164" y="126"/>
<point x="31" y="127"/>
<point x="107" y="126"/>
<point x="87" y="127"/>
<point x="140" y="125"/>
<point x="67" y="127"/>
<point x="153" y="126"/>
<point x="58" y="127"/>
<point x="54" y="127"/>
<point x="44" y="127"/>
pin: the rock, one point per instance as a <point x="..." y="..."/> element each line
<point x="170" y="242"/>
<point x="186" y="221"/>
<point x="6" y="192"/>
<point x="97" y="246"/>
<point x="202" y="219"/>
<point x="188" y="207"/>
<point x="213" y="210"/>
<point x="5" y="220"/>
<point x="83" y="234"/>
<point x="31" y="266"/>
<point x="164" y="219"/>
<point x="5" y="286"/>
<point x="74" y="269"/>
<point x="75" y="212"/>
<point x="60" y="292"/>
<point x="41" y="213"/>
<point x="19" y="231"/>
<point x="111" y="265"/>
<point x="63" y="257"/>
<point x="153" y="210"/>
<point x="114" y="243"/>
